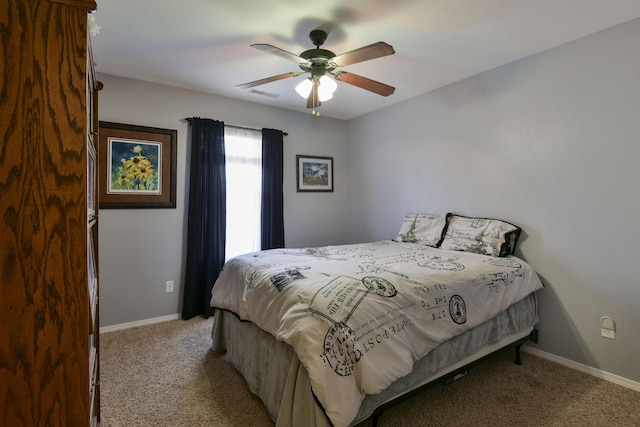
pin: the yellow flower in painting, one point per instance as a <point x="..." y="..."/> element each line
<point x="144" y="172"/>
<point x="123" y="181"/>
<point x="137" y="162"/>
<point x="132" y="163"/>
<point x="129" y="164"/>
<point x="144" y="162"/>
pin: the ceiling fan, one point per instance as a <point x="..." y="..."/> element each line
<point x="321" y="62"/>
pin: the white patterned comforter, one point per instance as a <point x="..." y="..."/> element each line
<point x="359" y="316"/>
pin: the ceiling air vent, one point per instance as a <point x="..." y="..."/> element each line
<point x="261" y="93"/>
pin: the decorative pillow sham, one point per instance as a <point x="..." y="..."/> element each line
<point x="480" y="235"/>
<point x="423" y="229"/>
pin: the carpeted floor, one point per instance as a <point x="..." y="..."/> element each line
<point x="165" y="375"/>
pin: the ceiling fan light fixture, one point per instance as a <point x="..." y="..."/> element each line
<point x="326" y="87"/>
<point x="304" y="88"/>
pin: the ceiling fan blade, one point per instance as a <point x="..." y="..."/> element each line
<point x="372" y="51"/>
<point x="279" y="52"/>
<point x="268" y="80"/>
<point x="313" y="101"/>
<point x="365" y="83"/>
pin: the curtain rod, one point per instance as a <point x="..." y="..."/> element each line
<point x="239" y="127"/>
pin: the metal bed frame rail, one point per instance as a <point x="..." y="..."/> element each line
<point x="452" y="376"/>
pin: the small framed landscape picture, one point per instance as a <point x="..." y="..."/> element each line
<point x="138" y="166"/>
<point x="314" y="173"/>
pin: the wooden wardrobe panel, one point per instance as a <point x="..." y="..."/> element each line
<point x="44" y="298"/>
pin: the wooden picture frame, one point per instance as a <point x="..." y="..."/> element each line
<point x="314" y="173"/>
<point x="137" y="168"/>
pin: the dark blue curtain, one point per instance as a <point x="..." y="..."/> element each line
<point x="272" y="222"/>
<point x="206" y="233"/>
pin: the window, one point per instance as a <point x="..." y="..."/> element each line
<point x="243" y="155"/>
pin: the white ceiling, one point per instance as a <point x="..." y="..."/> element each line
<point x="204" y="44"/>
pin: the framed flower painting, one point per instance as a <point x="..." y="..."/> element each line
<point x="137" y="166"/>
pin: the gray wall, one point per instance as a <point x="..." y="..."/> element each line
<point x="140" y="249"/>
<point x="550" y="143"/>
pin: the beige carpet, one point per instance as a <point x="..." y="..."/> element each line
<point x="165" y="375"/>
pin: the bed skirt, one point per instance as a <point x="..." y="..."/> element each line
<point x="273" y="372"/>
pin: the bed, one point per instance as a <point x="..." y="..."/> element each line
<point x="333" y="335"/>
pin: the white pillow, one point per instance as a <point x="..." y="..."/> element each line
<point x="423" y="229"/>
<point x="480" y="235"/>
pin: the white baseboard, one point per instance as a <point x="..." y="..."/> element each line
<point x="616" y="379"/>
<point x="137" y="323"/>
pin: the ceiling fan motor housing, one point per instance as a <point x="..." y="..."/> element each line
<point x="319" y="59"/>
<point x="318" y="37"/>
<point x="317" y="55"/>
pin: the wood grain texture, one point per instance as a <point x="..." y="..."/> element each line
<point x="87" y="5"/>
<point x="44" y="368"/>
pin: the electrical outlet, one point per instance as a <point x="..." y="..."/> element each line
<point x="608" y="327"/>
<point x="169" y="286"/>
<point x="608" y="333"/>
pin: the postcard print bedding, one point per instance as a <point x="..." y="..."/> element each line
<point x="358" y="316"/>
